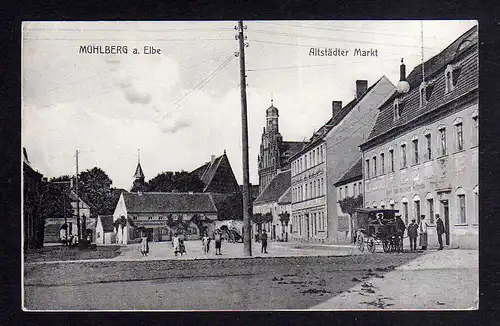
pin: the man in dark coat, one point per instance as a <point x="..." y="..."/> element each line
<point x="440" y="230"/>
<point x="413" y="234"/>
<point x="263" y="239"/>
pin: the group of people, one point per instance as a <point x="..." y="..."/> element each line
<point x="420" y="230"/>
<point x="205" y="242"/>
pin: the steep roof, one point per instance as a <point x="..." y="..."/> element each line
<point x="169" y="202"/>
<point x="138" y="171"/>
<point x="218" y="176"/>
<point x="464" y="57"/>
<point x="286" y="198"/>
<point x="106" y="222"/>
<point x="353" y="174"/>
<point x="276" y="188"/>
<point x="319" y="135"/>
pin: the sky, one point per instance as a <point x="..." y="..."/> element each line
<point x="179" y="107"/>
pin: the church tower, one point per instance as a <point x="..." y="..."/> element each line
<point x="138" y="175"/>
<point x="269" y="156"/>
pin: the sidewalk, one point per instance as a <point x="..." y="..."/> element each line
<point x="438" y="280"/>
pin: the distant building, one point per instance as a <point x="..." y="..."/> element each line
<point x="32" y="218"/>
<point x="105" y="230"/>
<point x="55" y="229"/>
<point x="330" y="152"/>
<point x="219" y="180"/>
<point x="218" y="175"/>
<point x="274" y="200"/>
<point x="422" y="154"/>
<point x="350" y="185"/>
<point x="156" y="213"/>
<point x="274" y="153"/>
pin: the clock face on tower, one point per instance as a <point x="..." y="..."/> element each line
<point x="275" y="122"/>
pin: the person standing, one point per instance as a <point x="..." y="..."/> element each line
<point x="175" y="243"/>
<point x="218" y="242"/>
<point x="263" y="239"/>
<point x="144" y="246"/>
<point x="440" y="230"/>
<point x="204" y="243"/>
<point x="423" y="232"/>
<point x="412" y="234"/>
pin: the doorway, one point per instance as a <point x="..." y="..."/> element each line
<point x="446" y="215"/>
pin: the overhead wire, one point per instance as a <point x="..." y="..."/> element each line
<point x="198" y="86"/>
<point x="341" y="30"/>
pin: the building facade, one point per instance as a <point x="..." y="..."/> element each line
<point x="350" y="185"/>
<point x="274" y="153"/>
<point x="275" y="200"/>
<point x="33" y="225"/>
<point x="422" y="155"/>
<point x="330" y="152"/>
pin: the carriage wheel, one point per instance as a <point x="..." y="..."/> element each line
<point x="361" y="242"/>
<point x="400" y="244"/>
<point x="371" y="245"/>
<point x="386" y="244"/>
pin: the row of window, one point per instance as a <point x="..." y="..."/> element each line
<point x="317" y="223"/>
<point x="429" y="209"/>
<point x="357" y="189"/>
<point x="442" y="150"/>
<point x="308" y="160"/>
<point x="309" y="190"/>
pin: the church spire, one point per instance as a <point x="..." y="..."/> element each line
<point x="139" y="175"/>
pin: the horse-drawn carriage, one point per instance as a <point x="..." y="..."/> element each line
<point x="378" y="226"/>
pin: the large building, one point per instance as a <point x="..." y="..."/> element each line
<point x="330" y="152"/>
<point x="422" y="155"/>
<point x="274" y="152"/>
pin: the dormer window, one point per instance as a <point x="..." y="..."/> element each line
<point x="425" y="93"/>
<point x="423" y="98"/>
<point x="397" y="110"/>
<point x="451" y="75"/>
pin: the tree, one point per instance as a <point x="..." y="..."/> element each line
<point x="180" y="181"/>
<point x="54" y="201"/>
<point x="121" y="222"/>
<point x="94" y="187"/>
<point x="260" y="219"/>
<point x="348" y="206"/>
<point x="137" y="187"/>
<point x="284" y="219"/>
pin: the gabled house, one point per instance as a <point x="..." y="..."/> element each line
<point x="157" y="215"/>
<point x="104" y="233"/>
<point x="218" y="176"/>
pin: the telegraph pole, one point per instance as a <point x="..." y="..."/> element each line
<point x="247" y="245"/>
<point x="80" y="233"/>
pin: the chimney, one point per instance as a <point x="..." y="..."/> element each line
<point x="361" y="87"/>
<point x="402" y="71"/>
<point x="336" y="107"/>
<point x="212" y="159"/>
